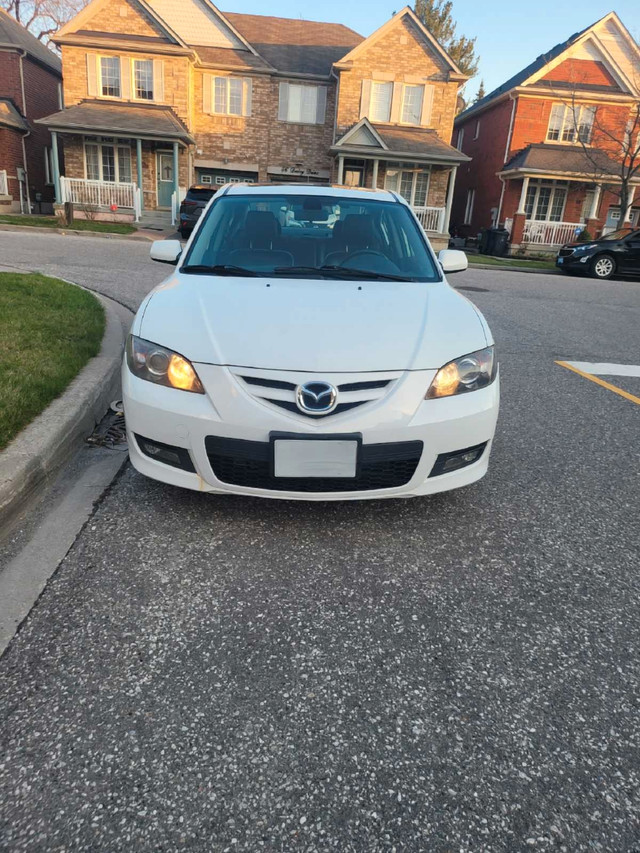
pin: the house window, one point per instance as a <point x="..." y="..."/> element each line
<point x="302" y="104"/>
<point x="143" y="79"/>
<point x="468" y="211"/>
<point x="381" y="96"/>
<point x="477" y="133"/>
<point x="570" y="123"/>
<point x="409" y="181"/>
<point x="460" y="139"/>
<point x="205" y="179"/>
<point x="48" y="166"/>
<point x="412" y="98"/>
<point x="545" y="201"/>
<point x="110" y="76"/>
<point x="227" y="96"/>
<point x="110" y="163"/>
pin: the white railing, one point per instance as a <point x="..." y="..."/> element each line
<point x="431" y="218"/>
<point x="98" y="193"/>
<point x="176" y="199"/>
<point x="550" y="233"/>
<point x="4" y="187"/>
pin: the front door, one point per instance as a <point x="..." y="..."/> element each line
<point x="165" y="179"/>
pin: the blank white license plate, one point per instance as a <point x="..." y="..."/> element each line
<point x="310" y="458"/>
<point x="560" y="260"/>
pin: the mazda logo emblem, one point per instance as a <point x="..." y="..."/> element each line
<point x="316" y="398"/>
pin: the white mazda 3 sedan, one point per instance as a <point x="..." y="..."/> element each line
<point x="308" y="346"/>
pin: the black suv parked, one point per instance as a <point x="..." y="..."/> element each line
<point x="194" y="203"/>
<point x="618" y="252"/>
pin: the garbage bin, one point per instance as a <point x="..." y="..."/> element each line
<point x="499" y="242"/>
<point x="485" y="241"/>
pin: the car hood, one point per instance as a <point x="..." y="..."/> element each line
<point x="320" y="325"/>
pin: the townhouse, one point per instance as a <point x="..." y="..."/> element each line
<point x="30" y="88"/>
<point x="546" y="145"/>
<point x="160" y="94"/>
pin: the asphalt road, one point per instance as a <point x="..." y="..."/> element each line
<point x="454" y="673"/>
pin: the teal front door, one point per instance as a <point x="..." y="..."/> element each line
<point x="165" y="179"/>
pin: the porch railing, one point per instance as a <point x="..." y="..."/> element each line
<point x="431" y="218"/>
<point x="98" y="193"/>
<point x="4" y="187"/>
<point x="550" y="233"/>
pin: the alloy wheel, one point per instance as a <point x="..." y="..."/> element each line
<point x="603" y="267"/>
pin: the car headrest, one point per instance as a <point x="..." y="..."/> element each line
<point x="261" y="228"/>
<point x="359" y="231"/>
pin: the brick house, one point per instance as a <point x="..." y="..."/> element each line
<point x="30" y="88"/>
<point x="529" y="169"/>
<point x="160" y="94"/>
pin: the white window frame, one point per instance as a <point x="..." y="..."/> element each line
<point x="554" y="186"/>
<point x="405" y="87"/>
<point x="48" y="166"/>
<point x="468" y="211"/>
<point x="102" y="56"/>
<point x="389" y="85"/>
<point x="303" y="87"/>
<point x="477" y="131"/>
<point x="115" y="144"/>
<point x="460" y="139"/>
<point x="405" y="169"/>
<point x="227" y="81"/>
<point x="206" y="179"/>
<point x="570" y="121"/>
<point x="134" y="85"/>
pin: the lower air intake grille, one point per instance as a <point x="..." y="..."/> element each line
<point x="248" y="464"/>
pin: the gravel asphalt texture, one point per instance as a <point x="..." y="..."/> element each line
<point x="456" y="673"/>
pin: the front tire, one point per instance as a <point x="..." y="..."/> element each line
<point x="184" y="233"/>
<point x="603" y="267"/>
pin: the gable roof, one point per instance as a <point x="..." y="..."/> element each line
<point x="420" y="143"/>
<point x="539" y="64"/>
<point x="10" y="117"/>
<point x="73" y="26"/>
<point x="546" y="158"/>
<point x="14" y="34"/>
<point x="293" y="45"/>
<point x="407" y="12"/>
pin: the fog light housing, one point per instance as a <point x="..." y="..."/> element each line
<point x="177" y="457"/>
<point x="448" y="462"/>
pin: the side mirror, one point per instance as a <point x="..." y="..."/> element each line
<point x="166" y="251"/>
<point x="452" y="260"/>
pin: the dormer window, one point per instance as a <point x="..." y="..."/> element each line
<point x="569" y="123"/>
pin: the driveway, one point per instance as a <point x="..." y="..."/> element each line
<point x="454" y="673"/>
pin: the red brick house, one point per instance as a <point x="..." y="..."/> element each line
<point x="160" y="94"/>
<point x="30" y="88"/>
<point x="529" y="170"/>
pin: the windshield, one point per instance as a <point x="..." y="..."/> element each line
<point x="298" y="236"/>
<point x="617" y="235"/>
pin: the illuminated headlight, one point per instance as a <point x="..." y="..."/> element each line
<point x="467" y="373"/>
<point x="154" y="363"/>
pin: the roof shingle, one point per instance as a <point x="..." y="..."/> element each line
<point x="11" y="32"/>
<point x="542" y="157"/>
<point x="98" y="117"/>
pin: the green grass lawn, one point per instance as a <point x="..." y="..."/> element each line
<point x="48" y="331"/>
<point x="78" y="225"/>
<point x="534" y="263"/>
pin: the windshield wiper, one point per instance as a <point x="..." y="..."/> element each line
<point x="348" y="271"/>
<point x="220" y="269"/>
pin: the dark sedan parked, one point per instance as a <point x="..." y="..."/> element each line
<point x="194" y="203"/>
<point x="618" y="252"/>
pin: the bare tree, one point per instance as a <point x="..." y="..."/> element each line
<point x="42" y="17"/>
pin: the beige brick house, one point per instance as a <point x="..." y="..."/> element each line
<point x="160" y="94"/>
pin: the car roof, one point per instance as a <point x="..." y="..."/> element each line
<point x="331" y="190"/>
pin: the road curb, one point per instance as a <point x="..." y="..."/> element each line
<point x="537" y="270"/>
<point x="36" y="454"/>
<point x="70" y="232"/>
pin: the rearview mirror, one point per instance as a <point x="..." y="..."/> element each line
<point x="453" y="260"/>
<point x="166" y="251"/>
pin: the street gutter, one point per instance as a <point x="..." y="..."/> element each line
<point x="70" y="232"/>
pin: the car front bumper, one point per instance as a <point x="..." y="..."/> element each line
<point x="196" y="422"/>
<point x="573" y="263"/>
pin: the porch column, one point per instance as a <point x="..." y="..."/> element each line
<point x="523" y="195"/>
<point x="139" y="170"/>
<point x="595" y="202"/>
<point x="627" y="212"/>
<point x="374" y="179"/>
<point x="447" y="210"/>
<point x="56" y="166"/>
<point x="176" y="175"/>
<point x="340" y="169"/>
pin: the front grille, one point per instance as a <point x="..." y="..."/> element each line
<point x="564" y="253"/>
<point x="248" y="464"/>
<point x="292" y="407"/>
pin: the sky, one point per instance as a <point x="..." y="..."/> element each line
<point x="508" y="37"/>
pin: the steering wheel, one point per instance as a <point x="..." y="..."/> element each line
<point x="386" y="266"/>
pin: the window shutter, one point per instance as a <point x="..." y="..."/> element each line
<point x="125" y="78"/>
<point x="283" y="109"/>
<point x="321" y="106"/>
<point x="427" y="105"/>
<point x="92" y="75"/>
<point x="207" y="82"/>
<point x="158" y="80"/>
<point x="247" y="93"/>
<point x="365" y="98"/>
<point x="396" y="103"/>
